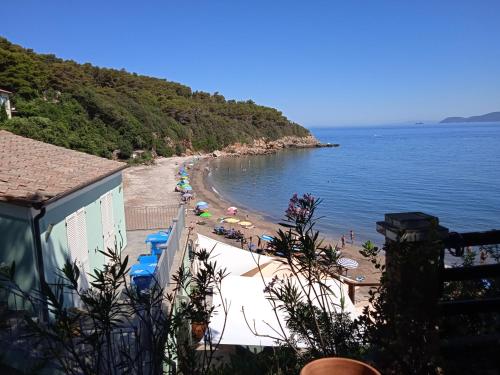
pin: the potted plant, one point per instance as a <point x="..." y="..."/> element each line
<point x="338" y="366"/>
<point x="199" y="313"/>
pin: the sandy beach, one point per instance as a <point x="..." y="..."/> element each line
<point x="218" y="207"/>
<point x="151" y="185"/>
<point x="155" y="185"/>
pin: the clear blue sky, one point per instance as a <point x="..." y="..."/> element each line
<point x="320" y="62"/>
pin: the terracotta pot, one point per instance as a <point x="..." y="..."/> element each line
<point x="337" y="366"/>
<point x="198" y="330"/>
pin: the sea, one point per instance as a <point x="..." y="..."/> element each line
<point x="451" y="171"/>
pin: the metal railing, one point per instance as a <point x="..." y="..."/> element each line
<point x="456" y="243"/>
<point x="150" y="217"/>
<point x="164" y="267"/>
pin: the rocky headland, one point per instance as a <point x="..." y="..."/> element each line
<point x="262" y="146"/>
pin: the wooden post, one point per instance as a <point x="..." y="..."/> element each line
<point x="352" y="292"/>
<point x="413" y="247"/>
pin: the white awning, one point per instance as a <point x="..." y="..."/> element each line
<point x="247" y="301"/>
<point x="234" y="259"/>
<point x="245" y="294"/>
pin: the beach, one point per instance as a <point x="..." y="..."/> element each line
<point x="151" y="185"/>
<point x="261" y="225"/>
<point x="155" y="185"/>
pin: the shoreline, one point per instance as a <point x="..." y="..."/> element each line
<point x="218" y="204"/>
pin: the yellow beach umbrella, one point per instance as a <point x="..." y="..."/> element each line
<point x="245" y="223"/>
<point x="232" y="220"/>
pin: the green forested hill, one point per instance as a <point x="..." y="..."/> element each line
<point x="99" y="110"/>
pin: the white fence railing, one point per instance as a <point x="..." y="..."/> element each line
<point x="150" y="217"/>
<point x="164" y="267"/>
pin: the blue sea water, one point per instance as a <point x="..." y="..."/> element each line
<point x="448" y="170"/>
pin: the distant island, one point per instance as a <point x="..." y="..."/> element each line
<point x="489" y="117"/>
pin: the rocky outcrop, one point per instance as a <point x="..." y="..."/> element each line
<point x="263" y="146"/>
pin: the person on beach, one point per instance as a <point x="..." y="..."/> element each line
<point x="342" y="240"/>
<point x="483" y="255"/>
<point x="251" y="245"/>
<point x="352" y="236"/>
<point x="336" y="249"/>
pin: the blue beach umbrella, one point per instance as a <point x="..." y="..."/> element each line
<point x="187" y="188"/>
<point x="266" y="237"/>
<point x="201" y="203"/>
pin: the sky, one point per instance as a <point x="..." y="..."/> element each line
<point x="322" y="63"/>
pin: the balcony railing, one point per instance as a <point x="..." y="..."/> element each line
<point x="164" y="267"/>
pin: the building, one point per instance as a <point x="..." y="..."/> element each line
<point x="5" y="100"/>
<point x="56" y="204"/>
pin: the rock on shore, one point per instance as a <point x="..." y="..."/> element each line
<point x="263" y="146"/>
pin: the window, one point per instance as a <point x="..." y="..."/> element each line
<point x="108" y="222"/>
<point x="76" y="232"/>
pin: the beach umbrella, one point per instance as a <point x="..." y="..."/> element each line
<point x="201" y="203"/>
<point x="187" y="195"/>
<point x="266" y="237"/>
<point x="187" y="188"/>
<point x="245" y="223"/>
<point x="206" y="214"/>
<point x="232" y="210"/>
<point x="202" y="208"/>
<point x="347" y="263"/>
<point x="232" y="220"/>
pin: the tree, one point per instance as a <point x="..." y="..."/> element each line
<point x="314" y="313"/>
<point x="117" y="329"/>
<point x="3" y="113"/>
<point x="101" y="108"/>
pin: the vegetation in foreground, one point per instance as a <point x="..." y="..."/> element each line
<point x="99" y="110"/>
<point x="401" y="334"/>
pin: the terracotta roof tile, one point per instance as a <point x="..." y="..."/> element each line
<point x="33" y="171"/>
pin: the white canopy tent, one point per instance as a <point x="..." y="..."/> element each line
<point x="245" y="293"/>
<point x="247" y="301"/>
<point x="234" y="259"/>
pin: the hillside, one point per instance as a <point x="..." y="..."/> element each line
<point x="99" y="110"/>
<point x="489" y="117"/>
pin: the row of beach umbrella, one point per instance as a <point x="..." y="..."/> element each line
<point x="201" y="208"/>
<point x="187" y="192"/>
